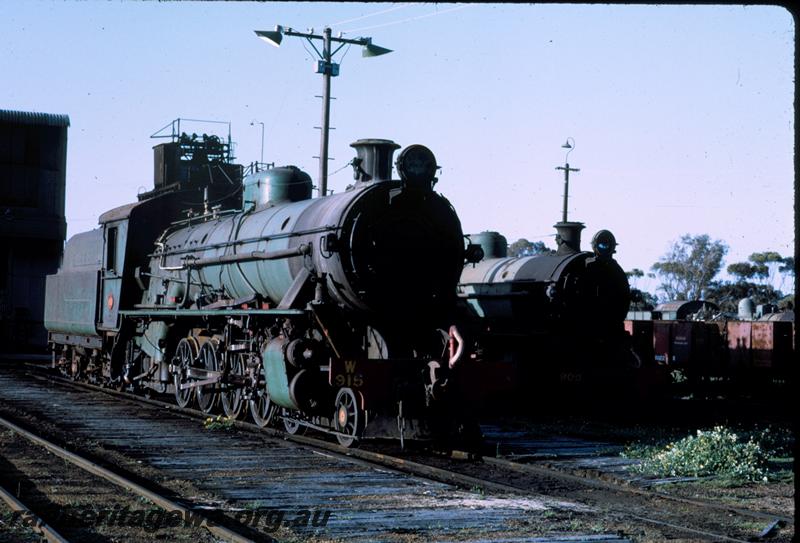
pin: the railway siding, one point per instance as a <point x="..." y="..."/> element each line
<point x="293" y="486"/>
<point x="69" y="504"/>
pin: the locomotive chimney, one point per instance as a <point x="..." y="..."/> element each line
<point x="568" y="237"/>
<point x="374" y="159"/>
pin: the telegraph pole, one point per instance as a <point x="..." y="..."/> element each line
<point x="326" y="110"/>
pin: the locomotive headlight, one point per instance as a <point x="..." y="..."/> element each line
<point x="604" y="244"/>
<point x="416" y="165"/>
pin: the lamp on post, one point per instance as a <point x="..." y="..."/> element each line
<point x="328" y="69"/>
<point x="568" y="234"/>
<point x="569" y="147"/>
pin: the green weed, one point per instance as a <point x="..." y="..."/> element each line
<point x="718" y="452"/>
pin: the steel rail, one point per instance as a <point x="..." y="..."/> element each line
<point x="91" y="467"/>
<point x="599" y="483"/>
<point x="400" y="464"/>
<point x="383" y="460"/>
<point x="32" y="520"/>
<point x="715" y="536"/>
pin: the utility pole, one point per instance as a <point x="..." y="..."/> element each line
<point x="327" y="72"/>
<point x="328" y="69"/>
<point x="567" y="169"/>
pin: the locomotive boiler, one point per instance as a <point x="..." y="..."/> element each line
<point x="322" y="312"/>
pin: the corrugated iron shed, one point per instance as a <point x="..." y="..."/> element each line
<point x="33" y="156"/>
<point x="681" y="309"/>
<point x="34" y="118"/>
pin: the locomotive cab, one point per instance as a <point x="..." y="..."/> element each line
<point x="115" y="236"/>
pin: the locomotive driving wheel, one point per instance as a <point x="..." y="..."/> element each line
<point x="348" y="419"/>
<point x="232" y="394"/>
<point x="185" y="355"/>
<point x="208" y="359"/>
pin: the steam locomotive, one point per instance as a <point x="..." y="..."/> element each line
<point x="540" y="325"/>
<point x="244" y="292"/>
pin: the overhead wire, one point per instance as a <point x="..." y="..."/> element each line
<point x="391" y="23"/>
<point x="340" y="169"/>
<point x="312" y="55"/>
<point x="416" y="18"/>
<point x="381" y="12"/>
<point x="341" y="61"/>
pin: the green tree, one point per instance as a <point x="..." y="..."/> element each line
<point x="755" y="279"/>
<point x="689" y="267"/>
<point x="745" y="270"/>
<point x="641" y="300"/>
<point x="523" y="247"/>
<point x="787" y="272"/>
<point x="763" y="268"/>
<point x="728" y="294"/>
<point x="519" y="247"/>
<point x="634" y="274"/>
<point x="767" y="263"/>
<point x="539" y="248"/>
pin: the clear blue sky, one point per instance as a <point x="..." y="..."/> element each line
<point x="682" y="115"/>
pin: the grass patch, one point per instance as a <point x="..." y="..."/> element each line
<point x="219" y="423"/>
<point x="719" y="452"/>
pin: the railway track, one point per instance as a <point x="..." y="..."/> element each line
<point x="239" y="473"/>
<point x="86" y="503"/>
<point x="639" y="512"/>
<point x="588" y="456"/>
<point x="31" y="522"/>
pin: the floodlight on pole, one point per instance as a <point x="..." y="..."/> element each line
<point x="272" y="37"/>
<point x="328" y="69"/>
<point x="569" y="147"/>
<point x="371" y="50"/>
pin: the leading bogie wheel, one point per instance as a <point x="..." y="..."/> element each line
<point x="261" y="408"/>
<point x="291" y="426"/>
<point x="348" y="417"/>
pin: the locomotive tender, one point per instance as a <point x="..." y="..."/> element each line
<point x="324" y="312"/>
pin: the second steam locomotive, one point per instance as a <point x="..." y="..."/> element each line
<point x="543" y="323"/>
